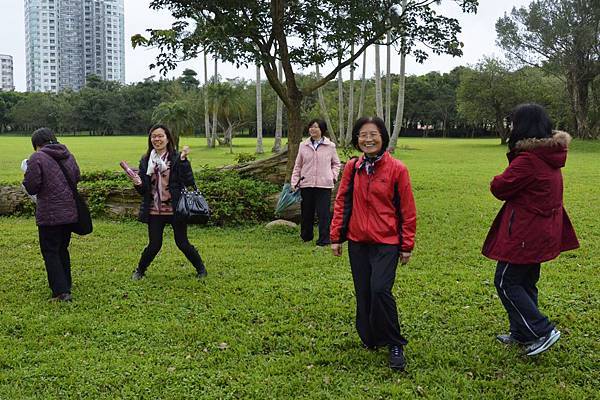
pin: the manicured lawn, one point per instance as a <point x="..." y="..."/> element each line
<point x="94" y="153"/>
<point x="275" y="317"/>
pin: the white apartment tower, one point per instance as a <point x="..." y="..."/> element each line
<point x="6" y="73"/>
<point x="68" y="40"/>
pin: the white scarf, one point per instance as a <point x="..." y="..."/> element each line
<point x="153" y="161"/>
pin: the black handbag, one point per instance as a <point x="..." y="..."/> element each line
<point x="83" y="226"/>
<point x="192" y="207"/>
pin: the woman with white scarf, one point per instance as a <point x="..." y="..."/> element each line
<point x="164" y="172"/>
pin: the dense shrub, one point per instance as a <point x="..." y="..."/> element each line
<point x="233" y="200"/>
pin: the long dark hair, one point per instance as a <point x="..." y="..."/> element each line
<point x="41" y="137"/>
<point x="385" y="136"/>
<point x="170" y="145"/>
<point x="322" y="126"/>
<point x="529" y="121"/>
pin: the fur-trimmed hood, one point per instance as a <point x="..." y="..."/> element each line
<point x="559" y="138"/>
<point x="552" y="150"/>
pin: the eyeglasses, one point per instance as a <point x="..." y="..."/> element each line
<point x="368" y="135"/>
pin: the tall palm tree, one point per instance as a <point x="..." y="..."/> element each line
<point x="259" y="124"/>
<point x="324" y="109"/>
<point x="388" y="83"/>
<point x="340" y="102"/>
<point x="209" y="141"/>
<point x="348" y="138"/>
<point x="378" y="94"/>
<point x="363" y="86"/>
<point x="401" y="89"/>
<point x="215" y="107"/>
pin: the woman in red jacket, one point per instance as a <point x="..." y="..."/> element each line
<point x="532" y="225"/>
<point x="375" y="211"/>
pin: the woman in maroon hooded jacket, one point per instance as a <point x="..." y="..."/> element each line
<point x="532" y="225"/>
<point x="55" y="209"/>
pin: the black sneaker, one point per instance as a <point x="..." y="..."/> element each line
<point x="542" y="344"/>
<point x="137" y="274"/>
<point x="397" y="360"/>
<point x="61" y="297"/>
<point x="201" y="273"/>
<point x="507" y="338"/>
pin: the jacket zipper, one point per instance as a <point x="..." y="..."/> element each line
<point x="510" y="221"/>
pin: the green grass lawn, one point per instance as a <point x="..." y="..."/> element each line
<point x="94" y="153"/>
<point x="275" y="318"/>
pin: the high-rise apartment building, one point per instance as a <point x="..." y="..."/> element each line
<point x="6" y="73"/>
<point x="67" y="40"/>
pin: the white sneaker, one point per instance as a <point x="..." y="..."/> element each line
<point x="543" y="343"/>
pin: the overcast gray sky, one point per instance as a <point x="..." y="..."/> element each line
<point x="478" y="36"/>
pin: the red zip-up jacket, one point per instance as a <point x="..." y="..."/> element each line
<point x="377" y="208"/>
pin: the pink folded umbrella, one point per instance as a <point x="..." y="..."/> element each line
<point x="128" y="169"/>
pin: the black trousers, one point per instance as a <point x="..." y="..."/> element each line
<point x="374" y="271"/>
<point x="516" y="286"/>
<point x="54" y="245"/>
<point x="319" y="200"/>
<point x="156" y="227"/>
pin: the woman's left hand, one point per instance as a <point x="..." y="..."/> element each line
<point x="405" y="257"/>
<point x="184" y="152"/>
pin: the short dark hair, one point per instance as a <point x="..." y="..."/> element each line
<point x="170" y="145"/>
<point x="385" y="136"/>
<point x="529" y="121"/>
<point x="42" y="137"/>
<point x="322" y="126"/>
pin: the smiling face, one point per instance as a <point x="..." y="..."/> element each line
<point x="369" y="139"/>
<point x="159" y="140"/>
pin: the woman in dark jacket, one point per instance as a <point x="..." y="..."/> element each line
<point x="55" y="209"/>
<point x="163" y="172"/>
<point x="532" y="226"/>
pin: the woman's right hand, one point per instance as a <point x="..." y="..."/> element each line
<point x="336" y="248"/>
<point x="137" y="181"/>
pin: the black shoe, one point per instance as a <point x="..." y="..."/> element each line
<point x="61" y="297"/>
<point x="327" y="243"/>
<point x="397" y="360"/>
<point x="507" y="338"/>
<point x="137" y="274"/>
<point x="201" y="273"/>
<point x="542" y="344"/>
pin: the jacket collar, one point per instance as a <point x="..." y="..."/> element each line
<point x="326" y="141"/>
<point x="361" y="160"/>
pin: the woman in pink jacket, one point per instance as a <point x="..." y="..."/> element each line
<point x="315" y="173"/>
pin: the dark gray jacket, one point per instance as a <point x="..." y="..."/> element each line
<point x="44" y="178"/>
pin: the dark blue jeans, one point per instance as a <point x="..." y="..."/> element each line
<point x="516" y="286"/>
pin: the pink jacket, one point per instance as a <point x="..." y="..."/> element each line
<point x="319" y="168"/>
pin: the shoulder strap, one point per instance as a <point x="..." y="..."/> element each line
<point x="69" y="181"/>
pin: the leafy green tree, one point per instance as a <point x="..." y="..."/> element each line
<point x="258" y="31"/>
<point x="188" y="79"/>
<point x="562" y="37"/>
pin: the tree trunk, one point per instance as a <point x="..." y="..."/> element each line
<point x="388" y="85"/>
<point x="348" y="137"/>
<point x="294" y="130"/>
<point x="324" y="109"/>
<point x="578" y="90"/>
<point x="378" y="94"/>
<point x="215" y="120"/>
<point x="209" y="141"/>
<point x="259" y="124"/>
<point x="279" y="117"/>
<point x="400" y="106"/>
<point x="340" y="103"/>
<point x="363" y="86"/>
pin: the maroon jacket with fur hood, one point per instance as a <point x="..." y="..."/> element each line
<point x="44" y="178"/>
<point x="532" y="225"/>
